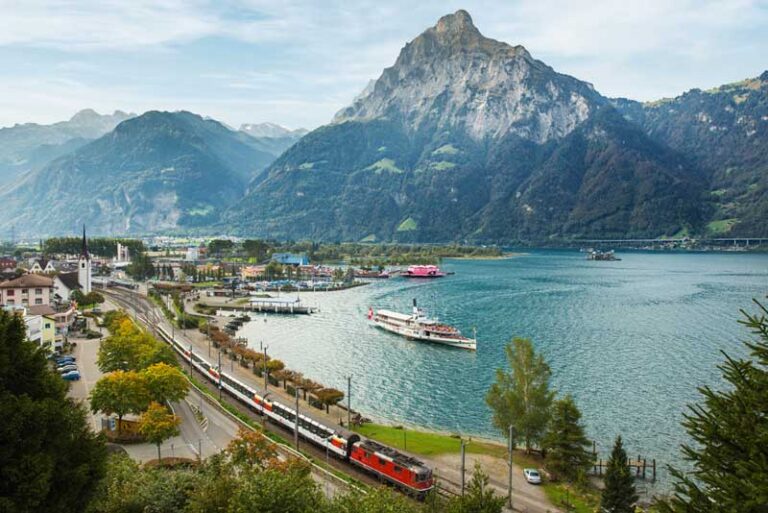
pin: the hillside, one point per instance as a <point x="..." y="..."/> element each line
<point x="154" y="173"/>
<point x="724" y="132"/>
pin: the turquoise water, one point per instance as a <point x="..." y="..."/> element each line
<point x="631" y="340"/>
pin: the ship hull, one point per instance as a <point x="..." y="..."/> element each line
<point x="422" y="336"/>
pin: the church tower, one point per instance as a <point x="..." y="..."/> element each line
<point x="84" y="267"/>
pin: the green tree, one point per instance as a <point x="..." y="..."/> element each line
<point x="132" y="488"/>
<point x="165" y="383"/>
<point x="256" y="249"/>
<point x="119" y="393"/>
<point x="157" y="425"/>
<point x="279" y="490"/>
<point x="50" y="460"/>
<point x="378" y="500"/>
<point x="730" y="432"/>
<point x="567" y="448"/>
<point x="218" y="246"/>
<point x="521" y="397"/>
<point x="619" y="494"/>
<point x="141" y="267"/>
<point x="479" y="498"/>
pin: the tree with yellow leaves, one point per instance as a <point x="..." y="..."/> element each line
<point x="157" y="425"/>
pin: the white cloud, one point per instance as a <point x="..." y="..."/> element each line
<point x="298" y="61"/>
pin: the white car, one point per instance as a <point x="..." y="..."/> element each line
<point x="532" y="475"/>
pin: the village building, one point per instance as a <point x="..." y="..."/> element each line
<point x="27" y="290"/>
<point x="290" y="259"/>
<point x="42" y="266"/>
<point x="64" y="284"/>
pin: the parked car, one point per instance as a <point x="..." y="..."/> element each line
<point x="66" y="368"/>
<point x="532" y="475"/>
<point x="71" y="376"/>
<point x="65" y="359"/>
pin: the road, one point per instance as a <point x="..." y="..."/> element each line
<point x="220" y="429"/>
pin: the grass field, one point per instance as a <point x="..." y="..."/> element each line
<point x="425" y="443"/>
<point x="434" y="444"/>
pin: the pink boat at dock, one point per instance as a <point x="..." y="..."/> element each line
<point x="423" y="271"/>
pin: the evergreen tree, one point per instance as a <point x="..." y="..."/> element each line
<point x="730" y="431"/>
<point x="521" y="397"/>
<point x="49" y="458"/>
<point x="619" y="495"/>
<point x="480" y="497"/>
<point x="567" y="448"/>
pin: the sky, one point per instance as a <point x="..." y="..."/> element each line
<point x="297" y="62"/>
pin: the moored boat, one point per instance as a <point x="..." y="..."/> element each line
<point x="423" y="271"/>
<point x="418" y="326"/>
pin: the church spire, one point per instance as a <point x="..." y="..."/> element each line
<point x="84" y="250"/>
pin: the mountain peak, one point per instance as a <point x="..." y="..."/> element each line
<point x="85" y="115"/>
<point x="459" y="22"/>
<point x="453" y="78"/>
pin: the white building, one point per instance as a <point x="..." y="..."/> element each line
<point x="123" y="255"/>
<point x="193" y="254"/>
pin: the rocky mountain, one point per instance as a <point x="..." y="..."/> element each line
<point x="468" y="138"/>
<point x="724" y="132"/>
<point x="28" y="147"/>
<point x="157" y="172"/>
<point x="272" y="138"/>
<point x="271" y="130"/>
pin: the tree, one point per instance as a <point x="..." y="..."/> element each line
<point x="129" y="347"/>
<point x="50" y="460"/>
<point x="218" y="246"/>
<point x="251" y="449"/>
<point x="157" y="425"/>
<point x="164" y="383"/>
<point x="521" y="397"/>
<point x="286" y="489"/>
<point x="119" y="393"/>
<point x="141" y="267"/>
<point x="256" y="249"/>
<point x="730" y="453"/>
<point x="133" y="488"/>
<point x="480" y="498"/>
<point x="378" y="500"/>
<point x="338" y="275"/>
<point x="619" y="494"/>
<point x="567" y="448"/>
<point x="329" y="397"/>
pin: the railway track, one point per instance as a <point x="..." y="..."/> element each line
<point x="146" y="313"/>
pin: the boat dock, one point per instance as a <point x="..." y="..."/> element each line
<point x="279" y="305"/>
<point x="637" y="467"/>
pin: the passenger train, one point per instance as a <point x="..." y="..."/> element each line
<point x="405" y="472"/>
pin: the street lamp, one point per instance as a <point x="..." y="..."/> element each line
<point x="266" y="383"/>
<point x="511" y="449"/>
<point x="296" y="428"/>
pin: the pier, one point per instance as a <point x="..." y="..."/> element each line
<point x="278" y="305"/>
<point x="641" y="468"/>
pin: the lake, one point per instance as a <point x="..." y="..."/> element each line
<point x="630" y="340"/>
